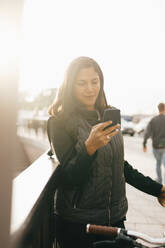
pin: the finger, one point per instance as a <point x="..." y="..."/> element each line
<point x="104" y="124"/>
<point x="108" y="137"/>
<point x="112" y="128"/>
<point x="114" y="133"/>
<point x="162" y="203"/>
<point x="98" y="126"/>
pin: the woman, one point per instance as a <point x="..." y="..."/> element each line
<point x="92" y="187"/>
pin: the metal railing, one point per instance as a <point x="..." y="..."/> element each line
<point x="32" y="214"/>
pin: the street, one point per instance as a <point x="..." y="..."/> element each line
<point x="145" y="214"/>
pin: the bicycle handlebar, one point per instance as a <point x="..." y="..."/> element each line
<point x="142" y="236"/>
<point x="105" y="230"/>
<point x="114" y="232"/>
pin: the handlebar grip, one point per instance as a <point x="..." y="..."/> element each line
<point x="103" y="230"/>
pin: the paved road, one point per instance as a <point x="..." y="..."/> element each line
<point x="145" y="214"/>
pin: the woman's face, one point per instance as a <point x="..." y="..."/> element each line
<point x="87" y="87"/>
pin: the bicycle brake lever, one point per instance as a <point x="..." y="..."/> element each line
<point x="104" y="244"/>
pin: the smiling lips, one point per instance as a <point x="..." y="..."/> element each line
<point x="90" y="96"/>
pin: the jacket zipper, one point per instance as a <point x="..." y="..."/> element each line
<point x="109" y="214"/>
<point x="75" y="199"/>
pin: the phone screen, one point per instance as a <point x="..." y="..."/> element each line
<point x="112" y="115"/>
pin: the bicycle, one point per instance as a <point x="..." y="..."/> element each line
<point x="122" y="237"/>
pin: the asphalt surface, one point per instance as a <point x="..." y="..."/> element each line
<point x="145" y="214"/>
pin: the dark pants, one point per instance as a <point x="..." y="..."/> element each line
<point x="70" y="234"/>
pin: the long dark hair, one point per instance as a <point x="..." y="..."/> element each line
<point x="65" y="101"/>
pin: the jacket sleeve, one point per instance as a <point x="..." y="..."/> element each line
<point x="147" y="134"/>
<point x="76" y="162"/>
<point x="141" y="182"/>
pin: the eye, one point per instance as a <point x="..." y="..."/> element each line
<point x="80" y="83"/>
<point x="95" y="82"/>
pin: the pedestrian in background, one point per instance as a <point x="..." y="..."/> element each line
<point x="156" y="130"/>
<point x="92" y="184"/>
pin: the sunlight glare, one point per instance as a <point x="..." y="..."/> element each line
<point x="129" y="49"/>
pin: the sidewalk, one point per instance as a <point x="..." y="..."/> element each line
<point x="145" y="214"/>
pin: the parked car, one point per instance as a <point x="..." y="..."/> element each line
<point x="127" y="127"/>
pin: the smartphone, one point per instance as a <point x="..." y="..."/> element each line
<point x="112" y="115"/>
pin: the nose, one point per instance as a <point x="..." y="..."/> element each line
<point x="89" y="87"/>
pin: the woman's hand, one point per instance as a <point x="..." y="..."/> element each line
<point x="99" y="137"/>
<point x="161" y="198"/>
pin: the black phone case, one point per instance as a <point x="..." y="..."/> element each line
<point x="113" y="115"/>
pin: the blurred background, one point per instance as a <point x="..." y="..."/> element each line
<point x="125" y="37"/>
